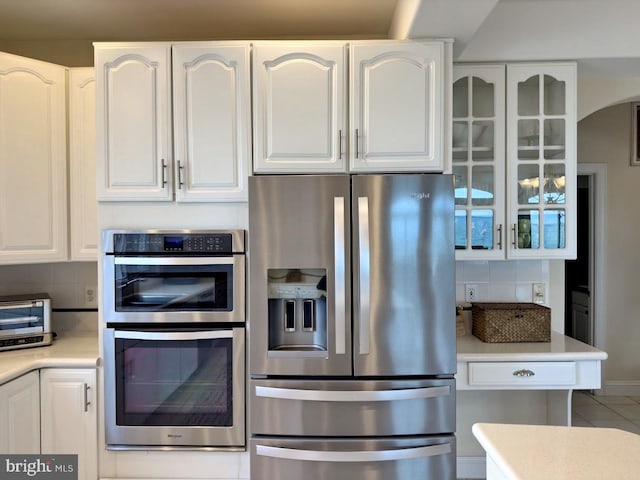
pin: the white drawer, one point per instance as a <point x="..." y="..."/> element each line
<point x="521" y="374"/>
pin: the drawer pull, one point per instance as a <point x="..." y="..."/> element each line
<point x="523" y="373"/>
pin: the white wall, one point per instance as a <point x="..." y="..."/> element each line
<point x="604" y="137"/>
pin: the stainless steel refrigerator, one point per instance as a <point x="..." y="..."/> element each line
<point x="352" y="327"/>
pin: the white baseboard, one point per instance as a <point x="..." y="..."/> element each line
<point x="622" y="388"/>
<point x="471" y="467"/>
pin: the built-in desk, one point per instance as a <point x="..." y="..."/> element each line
<point x="518" y="383"/>
<point x="559" y="366"/>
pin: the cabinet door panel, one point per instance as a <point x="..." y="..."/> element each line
<point x="396" y="106"/>
<point x="299" y="108"/>
<point x="33" y="201"/>
<point x="69" y="419"/>
<point x="82" y="164"/>
<point x="211" y="122"/>
<point x="479" y="161"/>
<point x="541" y="167"/>
<point x="133" y="123"/>
<point x="20" y="415"/>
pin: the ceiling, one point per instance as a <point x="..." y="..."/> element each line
<point x="138" y="20"/>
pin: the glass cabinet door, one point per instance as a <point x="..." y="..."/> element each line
<point x="541" y="113"/>
<point x="478" y="160"/>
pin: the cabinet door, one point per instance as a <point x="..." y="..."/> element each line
<point x="33" y="161"/>
<point x="68" y="416"/>
<point x="212" y="115"/>
<point x="478" y="154"/>
<point x="133" y="119"/>
<point x="83" y="205"/>
<point x="20" y="415"/>
<point x="299" y="107"/>
<point x="396" y="106"/>
<point x="541" y="160"/>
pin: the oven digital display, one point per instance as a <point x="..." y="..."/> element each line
<point x="173" y="243"/>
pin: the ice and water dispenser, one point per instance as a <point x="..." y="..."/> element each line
<point x="297" y="310"/>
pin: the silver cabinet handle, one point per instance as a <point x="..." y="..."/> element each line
<point x="355" y="456"/>
<point x="513" y="236"/>
<point x="86" y="397"/>
<point x="164" y="172"/>
<point x="524" y="373"/>
<point x="180" y="168"/>
<point x="364" y="274"/>
<point x="339" y="248"/>
<point x="352" y="395"/>
<point x="340" y="144"/>
<point x="357" y="142"/>
<point x="500" y="236"/>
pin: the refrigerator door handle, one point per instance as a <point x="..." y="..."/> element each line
<point x="355" y="456"/>
<point x="352" y="395"/>
<point x="339" y="280"/>
<point x="364" y="272"/>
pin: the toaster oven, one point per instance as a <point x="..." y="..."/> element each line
<point x="25" y="321"/>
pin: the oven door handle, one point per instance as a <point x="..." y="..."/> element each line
<point x="173" y="260"/>
<point x="196" y="335"/>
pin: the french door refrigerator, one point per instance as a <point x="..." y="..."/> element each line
<point x="352" y="327"/>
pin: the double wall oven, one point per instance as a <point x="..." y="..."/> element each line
<point x="174" y="342"/>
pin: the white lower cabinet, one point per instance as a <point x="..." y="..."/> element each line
<point x="20" y="415"/>
<point x="69" y="416"/>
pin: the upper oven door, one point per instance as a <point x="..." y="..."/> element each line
<point x="149" y="289"/>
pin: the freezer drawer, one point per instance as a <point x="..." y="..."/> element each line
<point x="352" y="407"/>
<point x="372" y="459"/>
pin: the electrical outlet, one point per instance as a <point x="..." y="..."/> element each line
<point x="538" y="293"/>
<point x="470" y="292"/>
<point x="91" y="296"/>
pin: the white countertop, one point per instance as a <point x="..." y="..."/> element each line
<point x="66" y="351"/>
<point x="561" y="347"/>
<point x="532" y="452"/>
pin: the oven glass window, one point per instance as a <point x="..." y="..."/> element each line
<point x="174" y="382"/>
<point x="13" y="318"/>
<point x="173" y="287"/>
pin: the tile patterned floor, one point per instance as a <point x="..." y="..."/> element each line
<point x="606" y="411"/>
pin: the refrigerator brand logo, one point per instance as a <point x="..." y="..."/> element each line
<point x="421" y="195"/>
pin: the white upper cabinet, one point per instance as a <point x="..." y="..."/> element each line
<point x="479" y="161"/>
<point x="201" y="153"/>
<point x="541" y="152"/>
<point x="394" y="118"/>
<point x="396" y="106"/>
<point x="33" y="161"/>
<point x="514" y="160"/>
<point x="133" y="121"/>
<point x="299" y="107"/>
<point x="211" y="122"/>
<point x="83" y="206"/>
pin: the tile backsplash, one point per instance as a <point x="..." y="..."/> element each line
<point x="501" y="281"/>
<point x="65" y="282"/>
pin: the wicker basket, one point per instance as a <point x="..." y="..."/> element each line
<point x="511" y="322"/>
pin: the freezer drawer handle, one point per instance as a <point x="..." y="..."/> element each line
<point x="356" y="456"/>
<point x="365" y="285"/>
<point x="339" y="280"/>
<point x="352" y="395"/>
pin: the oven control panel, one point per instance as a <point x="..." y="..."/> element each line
<point x="207" y="243"/>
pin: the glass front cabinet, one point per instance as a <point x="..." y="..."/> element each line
<point x="514" y="160"/>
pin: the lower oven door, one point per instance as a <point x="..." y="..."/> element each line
<point x="348" y="459"/>
<point x="178" y="388"/>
